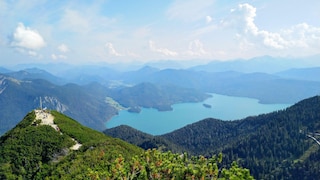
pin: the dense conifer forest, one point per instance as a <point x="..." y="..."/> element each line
<point x="276" y="145"/>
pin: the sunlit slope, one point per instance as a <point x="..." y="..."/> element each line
<point x="34" y="149"/>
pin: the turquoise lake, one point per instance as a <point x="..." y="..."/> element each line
<point x="223" y="107"/>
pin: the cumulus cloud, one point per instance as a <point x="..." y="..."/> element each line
<point x="243" y="18"/>
<point x="163" y="51"/>
<point x="63" y="49"/>
<point x="58" y="56"/>
<point x="196" y="48"/>
<point x="303" y="35"/>
<point x="298" y="36"/>
<point x="27" y="38"/>
<point x="112" y="51"/>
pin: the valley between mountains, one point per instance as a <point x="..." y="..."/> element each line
<point x="94" y="94"/>
<point x="276" y="145"/>
<point x="159" y="90"/>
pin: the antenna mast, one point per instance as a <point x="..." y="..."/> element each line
<point x="40" y="103"/>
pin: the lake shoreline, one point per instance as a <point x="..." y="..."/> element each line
<point x="223" y="107"/>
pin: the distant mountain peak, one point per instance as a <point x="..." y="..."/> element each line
<point x="149" y="67"/>
<point x="35" y="70"/>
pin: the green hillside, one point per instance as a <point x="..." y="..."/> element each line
<point x="30" y="151"/>
<point x="272" y="146"/>
<point x="42" y="145"/>
<point x="143" y="140"/>
<point x="276" y="145"/>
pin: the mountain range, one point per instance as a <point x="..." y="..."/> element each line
<point x="277" y="145"/>
<point x="288" y="86"/>
<point x="92" y="104"/>
<point x="94" y="94"/>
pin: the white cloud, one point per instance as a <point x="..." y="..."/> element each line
<point x="273" y="40"/>
<point x="190" y="29"/>
<point x="27" y="38"/>
<point x="58" y="56"/>
<point x="163" y="51"/>
<point x="301" y="35"/>
<point x="196" y="48"/>
<point x="301" y="39"/>
<point x="63" y="48"/>
<point x="112" y="51"/>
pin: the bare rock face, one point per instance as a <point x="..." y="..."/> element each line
<point x="55" y="103"/>
<point x="3" y="83"/>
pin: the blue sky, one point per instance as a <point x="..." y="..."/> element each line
<point x="115" y="31"/>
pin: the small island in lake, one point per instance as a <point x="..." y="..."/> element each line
<point x="135" y="109"/>
<point x="207" y="105"/>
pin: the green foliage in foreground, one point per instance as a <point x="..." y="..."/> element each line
<point x="153" y="164"/>
<point x="25" y="148"/>
<point x="72" y="128"/>
<point x="31" y="151"/>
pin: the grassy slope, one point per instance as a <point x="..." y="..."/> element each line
<point x="27" y="150"/>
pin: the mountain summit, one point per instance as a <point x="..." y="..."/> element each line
<point x="49" y="145"/>
<point x="45" y="140"/>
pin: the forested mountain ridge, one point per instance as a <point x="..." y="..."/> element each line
<point x="276" y="145"/>
<point x="36" y="73"/>
<point x="259" y="86"/>
<point x="232" y="79"/>
<point x="41" y="146"/>
<point x="309" y="74"/>
<point x="143" y="140"/>
<point x="148" y="95"/>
